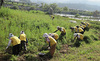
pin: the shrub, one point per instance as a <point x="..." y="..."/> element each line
<point x="77" y="15"/>
<point x="32" y="8"/>
<point x="31" y="57"/>
<point x="13" y="58"/>
<point x="87" y="39"/>
<point x="14" y="7"/>
<point x="4" y="12"/>
<point x="94" y="37"/>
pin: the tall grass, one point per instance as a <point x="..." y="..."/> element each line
<point x="35" y="24"/>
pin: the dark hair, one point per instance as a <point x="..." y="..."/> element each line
<point x="71" y="28"/>
<point x="22" y="31"/>
<point x="77" y="26"/>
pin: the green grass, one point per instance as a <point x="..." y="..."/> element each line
<point x="35" y="24"/>
<point x="87" y="52"/>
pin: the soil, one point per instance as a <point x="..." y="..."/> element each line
<point x="64" y="49"/>
<point x="1" y="55"/>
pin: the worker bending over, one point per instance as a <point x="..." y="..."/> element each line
<point x="52" y="43"/>
<point x="15" y="41"/>
<point x="86" y="24"/>
<point x="63" y="32"/>
<point x="54" y="35"/>
<point x="77" y="29"/>
<point x="79" y="36"/>
<point x="24" y="40"/>
<point x="83" y="27"/>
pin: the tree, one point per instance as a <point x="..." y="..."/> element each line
<point x="96" y="13"/>
<point x="77" y="15"/>
<point x="54" y="6"/>
<point x="37" y="5"/>
<point x="59" y="10"/>
<point x="50" y="11"/>
<point x="65" y="9"/>
<point x="46" y="7"/>
<point x="1" y="2"/>
<point x="42" y="5"/>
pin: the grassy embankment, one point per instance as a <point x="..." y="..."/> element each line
<point x="35" y="24"/>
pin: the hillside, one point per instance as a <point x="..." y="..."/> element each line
<point x="73" y="5"/>
<point x="35" y="24"/>
<point x="80" y="6"/>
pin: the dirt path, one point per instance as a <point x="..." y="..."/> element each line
<point x="64" y="49"/>
<point x="1" y="57"/>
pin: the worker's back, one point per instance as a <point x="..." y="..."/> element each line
<point x="22" y="37"/>
<point x="15" y="40"/>
<point x="80" y="36"/>
<point x="52" y="41"/>
<point x="64" y="31"/>
<point x="56" y="36"/>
